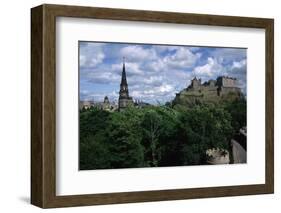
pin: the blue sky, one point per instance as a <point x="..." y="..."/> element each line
<point x="154" y="72"/>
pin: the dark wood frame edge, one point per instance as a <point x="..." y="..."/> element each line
<point x="43" y="166"/>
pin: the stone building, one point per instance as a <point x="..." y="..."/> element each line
<point x="195" y="83"/>
<point x="225" y="81"/>
<point x="222" y="89"/>
<point x="86" y="104"/>
<point x="109" y="106"/>
<point x="124" y="99"/>
<point x="105" y="105"/>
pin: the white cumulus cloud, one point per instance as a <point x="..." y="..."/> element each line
<point x="182" y="58"/>
<point x="136" y="53"/>
<point x="209" y="70"/>
<point x="91" y="55"/>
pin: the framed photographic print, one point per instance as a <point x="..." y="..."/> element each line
<point x="136" y="106"/>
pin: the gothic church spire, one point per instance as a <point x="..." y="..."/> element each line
<point x="124" y="79"/>
<point x="124" y="98"/>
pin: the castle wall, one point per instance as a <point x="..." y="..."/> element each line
<point x="226" y="82"/>
<point x="227" y="90"/>
<point x="196" y="96"/>
<point x="210" y="92"/>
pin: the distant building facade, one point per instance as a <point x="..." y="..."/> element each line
<point x="86" y="104"/>
<point x="105" y="105"/>
<point x="124" y="99"/>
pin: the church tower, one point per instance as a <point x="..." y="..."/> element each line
<point x="124" y="98"/>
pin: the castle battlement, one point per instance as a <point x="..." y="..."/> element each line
<point x="222" y="81"/>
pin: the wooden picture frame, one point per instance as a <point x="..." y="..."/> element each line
<point x="43" y="105"/>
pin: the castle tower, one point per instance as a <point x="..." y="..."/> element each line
<point x="124" y="98"/>
<point x="225" y="81"/>
<point x="195" y="83"/>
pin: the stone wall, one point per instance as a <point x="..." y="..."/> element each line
<point x="226" y="82"/>
<point x="209" y="92"/>
<point x="238" y="152"/>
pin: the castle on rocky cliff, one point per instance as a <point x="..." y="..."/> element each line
<point x="212" y="91"/>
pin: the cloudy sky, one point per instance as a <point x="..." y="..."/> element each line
<point x="154" y="72"/>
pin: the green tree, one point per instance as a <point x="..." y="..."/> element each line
<point x="204" y="127"/>
<point x="124" y="138"/>
<point x="151" y="125"/>
<point x="238" y="112"/>
<point x="156" y="135"/>
<point x="94" y="153"/>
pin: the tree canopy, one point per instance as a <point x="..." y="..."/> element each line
<point x="155" y="136"/>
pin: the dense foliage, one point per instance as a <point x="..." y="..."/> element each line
<point x="156" y="135"/>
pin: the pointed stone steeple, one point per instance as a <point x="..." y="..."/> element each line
<point x="124" y="91"/>
<point x="124" y="79"/>
<point x="124" y="98"/>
